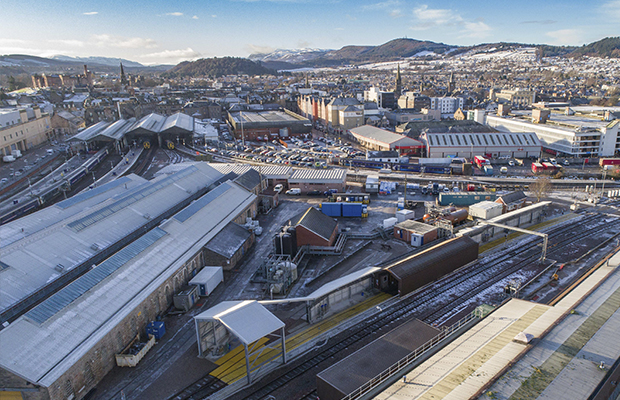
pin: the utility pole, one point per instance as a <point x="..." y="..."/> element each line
<point x="242" y="133"/>
<point x="603" y="187"/>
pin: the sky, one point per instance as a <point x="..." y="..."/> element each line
<point x="168" y="32"/>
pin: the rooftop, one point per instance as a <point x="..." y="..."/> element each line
<point x="76" y="321"/>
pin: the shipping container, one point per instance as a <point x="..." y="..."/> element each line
<point x="358" y="210"/>
<point x="485" y="210"/>
<point x="332" y="209"/>
<point x="207" y="280"/>
<point x="404" y="215"/>
<point x="156" y="328"/>
<point x="465" y="198"/>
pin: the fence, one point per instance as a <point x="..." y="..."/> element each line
<point x="399" y="366"/>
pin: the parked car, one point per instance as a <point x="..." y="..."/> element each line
<point x="511" y="163"/>
<point x="278" y="188"/>
<point x="314" y="193"/>
<point x="294" y="192"/>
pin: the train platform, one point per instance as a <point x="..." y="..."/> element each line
<point x="232" y="366"/>
<point x="128" y="160"/>
<point x="569" y="340"/>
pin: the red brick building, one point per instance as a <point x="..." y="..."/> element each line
<point x="314" y="228"/>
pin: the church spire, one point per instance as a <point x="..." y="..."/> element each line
<point x="399" y="84"/>
<point x="123" y="78"/>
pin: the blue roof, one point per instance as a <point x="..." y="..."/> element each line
<point x="129" y="199"/>
<point x="199" y="204"/>
<point x="77" y="288"/>
<point x="92" y="193"/>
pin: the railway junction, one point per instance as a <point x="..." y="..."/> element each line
<point x="339" y="305"/>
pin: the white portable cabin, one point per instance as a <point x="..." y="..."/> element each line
<point x="207" y="280"/>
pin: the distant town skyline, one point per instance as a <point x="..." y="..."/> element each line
<point x="162" y="32"/>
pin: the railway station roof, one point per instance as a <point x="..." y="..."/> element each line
<point x="66" y="326"/>
<point x="42" y="247"/>
<point x="247" y="319"/>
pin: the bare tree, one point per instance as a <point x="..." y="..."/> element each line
<point x="540" y="188"/>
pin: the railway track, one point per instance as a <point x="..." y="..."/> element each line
<point x="412" y="304"/>
<point x="490" y="270"/>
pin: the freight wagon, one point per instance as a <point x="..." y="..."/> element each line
<point x="465" y="198"/>
<point x="412" y="272"/>
<point x="608" y="161"/>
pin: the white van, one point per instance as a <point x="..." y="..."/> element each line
<point x="8" y="158"/>
<point x="50" y="152"/>
<point x="294" y="192"/>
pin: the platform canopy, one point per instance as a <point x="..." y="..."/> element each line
<point x="247" y="320"/>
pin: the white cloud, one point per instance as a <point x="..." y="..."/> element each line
<point x="91" y="13"/>
<point x="175" y="14"/>
<point x="68" y="42"/>
<point x="214" y="16"/>
<point x="381" y="5"/>
<point x="396" y="13"/>
<point x="435" y="16"/>
<point x="106" y="40"/>
<point x="339" y="29"/>
<point x="47" y="52"/>
<point x="611" y="9"/>
<point x="567" y="37"/>
<point x="11" y="42"/>
<point x="478" y="30"/>
<point x="187" y="54"/>
<point x="258" y="49"/>
<point x="195" y="17"/>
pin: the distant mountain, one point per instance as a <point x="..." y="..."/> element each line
<point x="112" y="62"/>
<point x="16" y="64"/>
<point x="216" y="67"/>
<point x="289" y="56"/>
<point x="608" y="47"/>
<point x="399" y="49"/>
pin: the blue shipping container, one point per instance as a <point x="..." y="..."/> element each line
<point x="352" y="209"/>
<point x="156" y="328"/>
<point x="332" y="209"/>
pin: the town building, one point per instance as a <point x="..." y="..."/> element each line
<point x="520" y="145"/>
<point x="66" y="123"/>
<point x="308" y="180"/>
<point x="23" y="128"/>
<point x="374" y="138"/>
<point x="516" y="97"/>
<point x="269" y="124"/>
<point x="414" y="100"/>
<point x="405" y="115"/>
<point x="313" y="228"/>
<point x="228" y="247"/>
<point x="447" y="105"/>
<point x="572" y="136"/>
<point x="383" y="99"/>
